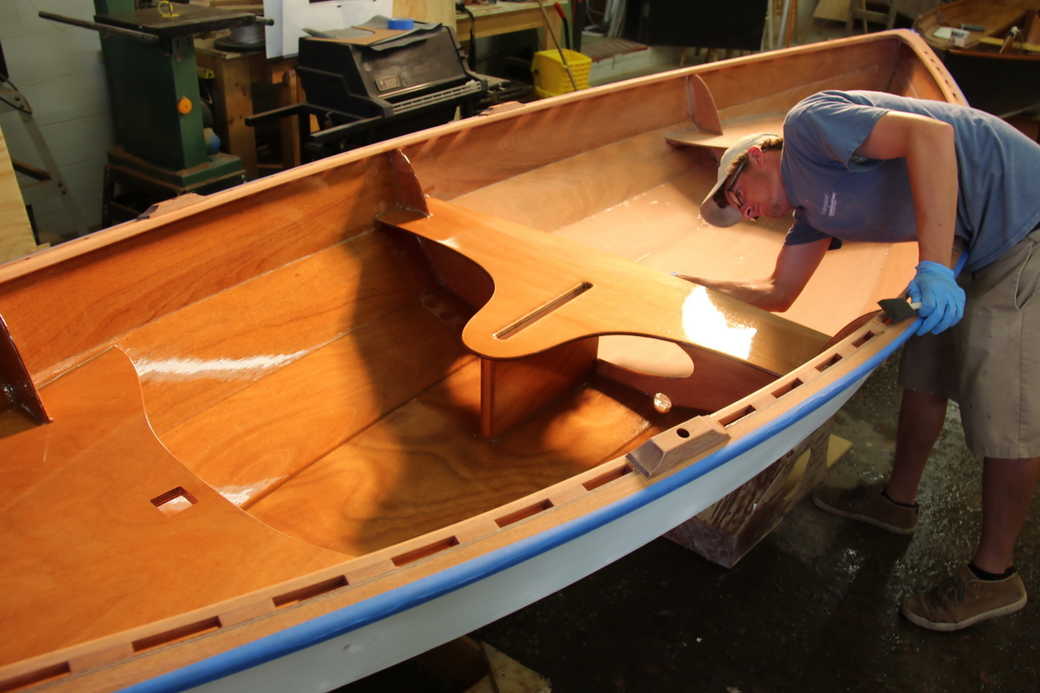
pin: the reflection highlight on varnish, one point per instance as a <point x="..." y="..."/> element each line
<point x="241" y="494"/>
<point x="705" y="323"/>
<point x="246" y="368"/>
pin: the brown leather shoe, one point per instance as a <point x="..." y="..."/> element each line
<point x="963" y="599"/>
<point x="866" y="503"/>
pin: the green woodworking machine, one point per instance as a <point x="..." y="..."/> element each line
<point x="153" y="83"/>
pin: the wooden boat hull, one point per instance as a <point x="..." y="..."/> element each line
<point x="359" y="640"/>
<point x="1004" y="82"/>
<point x="198" y="300"/>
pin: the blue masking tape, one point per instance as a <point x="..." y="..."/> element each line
<point x="401" y="24"/>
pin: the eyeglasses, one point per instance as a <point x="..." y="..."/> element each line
<point x="730" y="187"/>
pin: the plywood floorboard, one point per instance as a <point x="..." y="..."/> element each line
<point x="679" y="240"/>
<point x="91" y="481"/>
<point x="417" y="469"/>
<point x="251" y="441"/>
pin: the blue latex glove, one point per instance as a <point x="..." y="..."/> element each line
<point x="942" y="300"/>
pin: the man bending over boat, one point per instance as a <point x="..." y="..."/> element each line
<point x="868" y="166"/>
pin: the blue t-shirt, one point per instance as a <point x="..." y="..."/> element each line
<point x="840" y="194"/>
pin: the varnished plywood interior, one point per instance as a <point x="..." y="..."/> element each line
<point x="329" y="382"/>
<point x="96" y="478"/>
<point x="654" y="220"/>
<point x="333" y="399"/>
<point x="415" y="471"/>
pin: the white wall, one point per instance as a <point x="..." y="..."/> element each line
<point x="59" y="69"/>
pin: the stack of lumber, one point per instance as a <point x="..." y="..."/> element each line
<point x="16" y="237"/>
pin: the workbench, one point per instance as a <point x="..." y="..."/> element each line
<point x="234" y="73"/>
<point x="507" y="17"/>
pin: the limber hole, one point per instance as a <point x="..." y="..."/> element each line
<point x="34" y="677"/>
<point x="524" y="513"/>
<point x="736" y="416"/>
<point x="606" y="477"/>
<point x="424" y="551"/>
<point x="310" y="591"/>
<point x="863" y="340"/>
<point x="175" y="634"/>
<point x="787" y="387"/>
<point x="682" y="433"/>
<point x="828" y="363"/>
<point x="174" y="501"/>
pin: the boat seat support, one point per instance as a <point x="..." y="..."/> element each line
<point x="538" y="294"/>
<point x="708" y="129"/>
<point x="17" y="391"/>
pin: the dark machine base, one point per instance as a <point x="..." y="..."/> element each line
<point x="132" y="184"/>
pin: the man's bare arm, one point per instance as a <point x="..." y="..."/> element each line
<point x="794" y="266"/>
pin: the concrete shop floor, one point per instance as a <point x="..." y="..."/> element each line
<point x="814" y="607"/>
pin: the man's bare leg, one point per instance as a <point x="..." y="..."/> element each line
<point x="1007" y="493"/>
<point x="921" y="418"/>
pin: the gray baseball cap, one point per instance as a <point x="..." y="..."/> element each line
<point x="729" y="215"/>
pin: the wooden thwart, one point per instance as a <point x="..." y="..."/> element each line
<point x="733" y="131"/>
<point x="708" y="130"/>
<point x="550" y="290"/>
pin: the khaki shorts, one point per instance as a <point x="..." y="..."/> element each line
<point x="990" y="361"/>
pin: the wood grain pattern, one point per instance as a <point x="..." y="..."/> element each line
<point x="192" y="358"/>
<point x="94" y="297"/>
<point x="442" y="11"/>
<point x="510" y="391"/>
<point x="559" y="193"/>
<point x="79" y="486"/>
<point x="250" y="442"/>
<point x="539" y="302"/>
<point x="572" y="498"/>
<point x="415" y="471"/>
<point x="705" y="112"/>
<point x="713" y="384"/>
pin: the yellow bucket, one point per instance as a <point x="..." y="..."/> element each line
<point x="550" y="76"/>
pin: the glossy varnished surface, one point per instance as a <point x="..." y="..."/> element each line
<point x="87" y="552"/>
<point x="253" y="384"/>
<point x="418" y="469"/>
<point x="550" y="291"/>
<point x="653" y="219"/>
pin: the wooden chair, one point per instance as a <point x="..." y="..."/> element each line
<point x="858" y="10"/>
